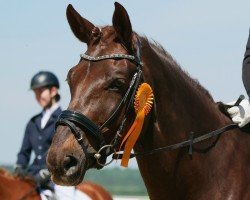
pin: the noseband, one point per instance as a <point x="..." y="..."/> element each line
<point x="75" y="120"/>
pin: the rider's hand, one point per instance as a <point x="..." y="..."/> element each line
<point x="19" y="171"/>
<point x="240" y="114"/>
<point x="44" y="176"/>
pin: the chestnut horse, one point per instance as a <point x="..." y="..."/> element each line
<point x="102" y="87"/>
<point x="17" y="188"/>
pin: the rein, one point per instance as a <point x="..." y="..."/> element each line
<point x="186" y="143"/>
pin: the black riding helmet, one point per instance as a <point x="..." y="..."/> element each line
<point x="43" y="79"/>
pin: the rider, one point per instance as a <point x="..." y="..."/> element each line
<point x="241" y="114"/>
<point x="40" y="130"/>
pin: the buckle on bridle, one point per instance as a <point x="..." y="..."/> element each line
<point x="98" y="155"/>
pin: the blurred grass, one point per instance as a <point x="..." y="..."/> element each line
<point x="119" y="181"/>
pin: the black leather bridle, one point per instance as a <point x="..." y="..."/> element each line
<point x="74" y="120"/>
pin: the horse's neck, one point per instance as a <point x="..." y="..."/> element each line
<point x="181" y="103"/>
<point x="179" y="109"/>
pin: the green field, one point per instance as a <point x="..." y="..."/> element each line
<point x="119" y="181"/>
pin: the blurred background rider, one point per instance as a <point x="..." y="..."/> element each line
<point x="40" y="131"/>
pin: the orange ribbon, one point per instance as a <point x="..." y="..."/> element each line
<point x="142" y="104"/>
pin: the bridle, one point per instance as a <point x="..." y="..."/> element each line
<point x="74" y="120"/>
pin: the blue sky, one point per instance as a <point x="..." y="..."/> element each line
<point x="207" y="38"/>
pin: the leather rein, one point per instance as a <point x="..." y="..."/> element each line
<point x="73" y="119"/>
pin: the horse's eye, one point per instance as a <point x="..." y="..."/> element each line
<point x="117" y="85"/>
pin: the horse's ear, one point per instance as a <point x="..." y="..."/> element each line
<point x="122" y="25"/>
<point x="81" y="27"/>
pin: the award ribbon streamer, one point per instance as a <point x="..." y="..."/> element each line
<point x="142" y="104"/>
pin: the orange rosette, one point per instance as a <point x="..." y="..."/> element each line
<point x="143" y="103"/>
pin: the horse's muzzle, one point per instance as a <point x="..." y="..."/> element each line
<point x="66" y="169"/>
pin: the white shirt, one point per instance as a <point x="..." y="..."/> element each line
<point x="47" y="113"/>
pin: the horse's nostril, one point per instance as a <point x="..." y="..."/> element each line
<point x="70" y="165"/>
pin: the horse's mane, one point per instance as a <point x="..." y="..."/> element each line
<point x="169" y="61"/>
<point x="7" y="174"/>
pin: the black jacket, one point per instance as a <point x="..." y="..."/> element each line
<point x="38" y="140"/>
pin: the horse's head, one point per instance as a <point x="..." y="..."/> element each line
<point x="102" y="87"/>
